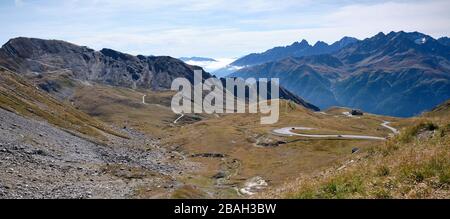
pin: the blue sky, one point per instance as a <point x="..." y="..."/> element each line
<point x="214" y="28"/>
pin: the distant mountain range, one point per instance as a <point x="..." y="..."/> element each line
<point x="297" y="49"/>
<point x="444" y="40"/>
<point x="398" y="74"/>
<point x="33" y="58"/>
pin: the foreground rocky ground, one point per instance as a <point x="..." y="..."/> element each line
<point x="38" y="160"/>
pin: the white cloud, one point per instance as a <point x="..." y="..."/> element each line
<point x="211" y="66"/>
<point x="246" y="6"/>
<point x="209" y="42"/>
<point x="218" y="28"/>
<point x="430" y="17"/>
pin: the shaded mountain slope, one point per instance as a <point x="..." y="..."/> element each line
<point x="399" y="74"/>
<point x="21" y="97"/>
<point x="36" y="56"/>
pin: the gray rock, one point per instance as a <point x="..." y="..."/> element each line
<point x="39" y="173"/>
<point x="354" y="150"/>
<point x="105" y="66"/>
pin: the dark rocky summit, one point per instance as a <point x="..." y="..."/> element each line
<point x="107" y="66"/>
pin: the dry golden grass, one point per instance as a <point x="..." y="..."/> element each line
<point x="237" y="135"/>
<point x="415" y="164"/>
<point x="411" y="165"/>
<point x="19" y="96"/>
<point x="123" y="107"/>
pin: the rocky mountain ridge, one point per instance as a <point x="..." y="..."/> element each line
<point x="398" y="74"/>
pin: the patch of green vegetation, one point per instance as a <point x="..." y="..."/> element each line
<point x="418" y="171"/>
<point x="410" y="133"/>
<point x="18" y="96"/>
<point x="401" y="168"/>
<point x="388" y="148"/>
<point x="445" y="130"/>
<point x="337" y="188"/>
<point x="382" y="193"/>
<point x="188" y="191"/>
<point x="383" y="170"/>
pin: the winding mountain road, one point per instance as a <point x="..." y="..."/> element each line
<point x="176" y="120"/>
<point x="143" y="99"/>
<point x="386" y="125"/>
<point x="287" y="131"/>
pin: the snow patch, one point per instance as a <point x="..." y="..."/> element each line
<point x="421" y="41"/>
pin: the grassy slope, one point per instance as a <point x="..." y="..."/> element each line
<point x="414" y="164"/>
<point x="123" y="108"/>
<point x="19" y="96"/>
<point x="236" y="137"/>
<point x="441" y="113"/>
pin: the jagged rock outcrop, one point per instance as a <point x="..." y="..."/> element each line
<point x="107" y="66"/>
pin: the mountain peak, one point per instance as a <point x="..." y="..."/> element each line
<point x="297" y="49"/>
<point x="320" y="44"/>
<point x="444" y="41"/>
<point x="107" y="66"/>
<point x="348" y="39"/>
<point x="302" y="43"/>
<point x="116" y="55"/>
<point x="27" y="47"/>
<point x="345" y="41"/>
<point x="21" y="40"/>
<point x="398" y="74"/>
<point x="380" y="35"/>
<point x="36" y="41"/>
